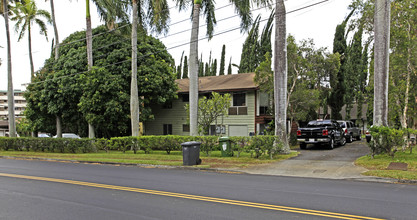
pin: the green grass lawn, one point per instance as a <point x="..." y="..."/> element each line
<point x="378" y="165"/>
<point x="156" y="158"/>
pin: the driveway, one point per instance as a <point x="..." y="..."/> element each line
<point x="319" y="162"/>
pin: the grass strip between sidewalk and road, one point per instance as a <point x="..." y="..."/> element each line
<point x="156" y="158"/>
<point x="378" y="165"/>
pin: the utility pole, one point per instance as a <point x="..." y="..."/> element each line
<point x="381" y="50"/>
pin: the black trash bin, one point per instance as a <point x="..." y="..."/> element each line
<point x="191" y="153"/>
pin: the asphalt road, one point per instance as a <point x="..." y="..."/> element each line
<point x="53" y="190"/>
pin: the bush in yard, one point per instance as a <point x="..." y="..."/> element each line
<point x="264" y="144"/>
<point x="240" y="144"/>
<point x="385" y="140"/>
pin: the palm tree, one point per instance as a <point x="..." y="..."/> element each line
<point x="280" y="75"/>
<point x="158" y="15"/>
<point x="381" y="57"/>
<point x="4" y="11"/>
<point x="25" y="15"/>
<point x="58" y="117"/>
<point x="208" y="8"/>
<point x="55" y="29"/>
<point x="109" y="11"/>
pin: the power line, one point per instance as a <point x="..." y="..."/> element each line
<point x="180" y="45"/>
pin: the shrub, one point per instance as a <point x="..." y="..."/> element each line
<point x="385" y="140"/>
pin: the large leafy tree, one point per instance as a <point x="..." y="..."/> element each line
<point x="403" y="64"/>
<point x="26" y="15"/>
<point x="81" y="96"/>
<point x="109" y="11"/>
<point x="209" y="109"/>
<point x="208" y="8"/>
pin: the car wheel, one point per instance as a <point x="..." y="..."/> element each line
<point x="303" y="146"/>
<point x="359" y="137"/>
<point x="343" y="141"/>
<point x="331" y="144"/>
<point x="350" y="139"/>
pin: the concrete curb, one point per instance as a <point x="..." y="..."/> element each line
<point x="124" y="164"/>
<point x="364" y="179"/>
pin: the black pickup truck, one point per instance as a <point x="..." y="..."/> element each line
<point x="326" y="132"/>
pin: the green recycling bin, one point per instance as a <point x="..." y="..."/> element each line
<point x="225" y="147"/>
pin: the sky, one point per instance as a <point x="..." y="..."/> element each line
<point x="317" y="22"/>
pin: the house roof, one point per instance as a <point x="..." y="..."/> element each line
<point x="234" y="82"/>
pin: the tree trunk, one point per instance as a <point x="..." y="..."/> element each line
<point x="10" y="92"/>
<point x="89" y="36"/>
<point x="58" y="118"/>
<point x="58" y="126"/>
<point x="381" y="50"/>
<point x="134" y="96"/>
<point x="409" y="71"/>
<point x="32" y="71"/>
<point x="280" y="75"/>
<point x="193" y="72"/>
<point x="55" y="30"/>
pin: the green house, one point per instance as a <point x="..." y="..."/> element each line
<point x="247" y="115"/>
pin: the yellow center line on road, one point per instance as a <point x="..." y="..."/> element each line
<point x="195" y="197"/>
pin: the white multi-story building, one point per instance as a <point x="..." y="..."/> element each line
<point x="19" y="104"/>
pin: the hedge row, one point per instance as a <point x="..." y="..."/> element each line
<point x="257" y="145"/>
<point x="388" y="140"/>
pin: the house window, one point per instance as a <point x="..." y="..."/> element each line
<point x="239" y="99"/>
<point x="185" y="128"/>
<point x="263" y="103"/>
<point x="167" y="129"/>
<point x="185" y="98"/>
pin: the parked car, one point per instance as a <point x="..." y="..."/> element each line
<point x="351" y="130"/>
<point x="321" y="131"/>
<point x="43" y="135"/>
<point x="69" y="135"/>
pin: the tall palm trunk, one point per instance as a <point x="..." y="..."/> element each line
<point x="280" y="75"/>
<point x="193" y="71"/>
<point x="32" y="69"/>
<point x="55" y="30"/>
<point x="381" y="51"/>
<point x="89" y="37"/>
<point x="58" y="117"/>
<point x="134" y="96"/>
<point x="10" y="93"/>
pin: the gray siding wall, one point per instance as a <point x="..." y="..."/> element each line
<point x="177" y="116"/>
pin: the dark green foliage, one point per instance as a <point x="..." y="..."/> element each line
<point x="207" y="70"/>
<point x="213" y="69"/>
<point x="185" y="68"/>
<point x="249" y="58"/>
<point x="179" y="67"/>
<point x="53" y="145"/>
<point x="257" y="145"/>
<point x="200" y="69"/>
<point x="103" y="94"/>
<point x="338" y="81"/>
<point x="255" y="46"/>
<point x="222" y="60"/>
<point x="388" y="140"/>
<point x="229" y="68"/>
